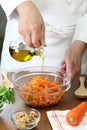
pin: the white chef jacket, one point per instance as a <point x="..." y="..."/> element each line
<point x="65" y="21"/>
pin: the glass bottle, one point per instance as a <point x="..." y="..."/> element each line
<point x="22" y="53"/>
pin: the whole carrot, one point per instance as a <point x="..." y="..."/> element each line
<point x="75" y="115"/>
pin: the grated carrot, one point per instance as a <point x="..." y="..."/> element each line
<point x="41" y="86"/>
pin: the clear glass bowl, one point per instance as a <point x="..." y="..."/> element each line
<point x="26" y="120"/>
<point x="55" y="85"/>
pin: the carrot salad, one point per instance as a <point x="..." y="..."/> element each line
<point x="42" y="92"/>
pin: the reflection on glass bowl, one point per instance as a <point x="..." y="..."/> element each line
<point x="3" y="106"/>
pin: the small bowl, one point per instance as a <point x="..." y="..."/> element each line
<point x="46" y="94"/>
<point x="26" y="120"/>
<point x="3" y="106"/>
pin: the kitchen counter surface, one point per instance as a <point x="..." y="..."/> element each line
<point x="68" y="102"/>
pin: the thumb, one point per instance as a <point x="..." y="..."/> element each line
<point x="69" y="68"/>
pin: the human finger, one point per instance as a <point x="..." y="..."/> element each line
<point x="28" y="39"/>
<point x="63" y="65"/>
<point x="69" y="67"/>
<point x="42" y="37"/>
<point x="35" y="37"/>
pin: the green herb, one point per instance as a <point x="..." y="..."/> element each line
<point x="6" y="95"/>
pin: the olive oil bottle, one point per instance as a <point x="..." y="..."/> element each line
<point x="23" y="53"/>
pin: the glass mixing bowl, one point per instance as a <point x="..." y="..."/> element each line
<point x="41" y="86"/>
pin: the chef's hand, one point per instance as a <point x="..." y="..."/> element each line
<point x="71" y="63"/>
<point x="31" y="24"/>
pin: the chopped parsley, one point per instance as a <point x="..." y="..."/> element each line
<point x="6" y="95"/>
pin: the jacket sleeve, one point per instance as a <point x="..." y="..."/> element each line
<point x="10" y="5"/>
<point x="81" y="29"/>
